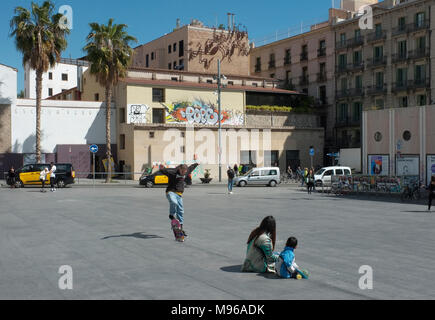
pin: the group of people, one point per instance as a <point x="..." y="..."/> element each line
<point x="306" y="176"/>
<point x="260" y="254"/>
<point x="43" y="177"/>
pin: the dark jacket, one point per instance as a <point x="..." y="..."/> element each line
<point x="432" y="189"/>
<point x="176" y="181"/>
<point x="230" y="174"/>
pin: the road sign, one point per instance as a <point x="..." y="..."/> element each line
<point x="312" y="152"/>
<point x="93" y="148"/>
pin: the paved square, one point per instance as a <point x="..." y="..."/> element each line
<point x="119" y="244"/>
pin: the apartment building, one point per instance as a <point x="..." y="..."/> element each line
<point x="388" y="66"/>
<point x="197" y="48"/>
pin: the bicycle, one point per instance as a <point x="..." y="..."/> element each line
<point x="411" y="192"/>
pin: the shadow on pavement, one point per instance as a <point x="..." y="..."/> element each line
<point x="138" y="235"/>
<point x="233" y="269"/>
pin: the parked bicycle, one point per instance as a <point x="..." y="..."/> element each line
<point x="411" y="191"/>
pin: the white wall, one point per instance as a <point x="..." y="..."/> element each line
<point x="8" y="85"/>
<point x="62" y="122"/>
<point x="56" y="83"/>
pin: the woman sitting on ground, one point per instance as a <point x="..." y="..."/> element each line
<point x="261" y="243"/>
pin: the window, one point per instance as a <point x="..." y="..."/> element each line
<point x="339" y="172"/>
<point x="272" y="75"/>
<point x="343" y="83"/>
<point x="158" y="95"/>
<point x="97" y="97"/>
<point x="420" y="73"/>
<point x="151" y="135"/>
<point x="169" y="49"/>
<point x="183" y="149"/>
<point x="421" y="100"/>
<point x="152" y="55"/>
<point x="181" y="64"/>
<point x="230" y="83"/>
<point x="379" y="80"/>
<point x="50" y="92"/>
<point x="419" y="19"/>
<point x="401" y="49"/>
<point x="122" y="142"/>
<point x="347" y="172"/>
<point x="403" y="102"/>
<point x="272" y="60"/>
<point x="122" y="115"/>
<point x="407" y="135"/>
<point x="378" y="29"/>
<point x="329" y="173"/>
<point x="175" y="47"/>
<point x="342" y="60"/>
<point x="174" y="65"/>
<point x="379" y="103"/>
<point x="357" y="111"/>
<point x="158" y="115"/>
<point x="271" y="158"/>
<point x="357" y="57"/>
<point x="209" y="81"/>
<point x="342" y="112"/>
<point x="358" y="82"/>
<point x="420" y="44"/>
<point x="357" y="34"/>
<point x="64" y="77"/>
<point x="147" y="61"/>
<point x="255" y="173"/>
<point x="402" y="23"/>
<point x="378" y="52"/>
<point x="342" y="38"/>
<point x="169" y="66"/>
<point x="50" y="75"/>
<point x="287" y="57"/>
<point x="181" y="48"/>
<point x="402" y="76"/>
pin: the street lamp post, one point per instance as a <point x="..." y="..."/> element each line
<point x="219" y="120"/>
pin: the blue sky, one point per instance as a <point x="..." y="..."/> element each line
<point x="148" y="20"/>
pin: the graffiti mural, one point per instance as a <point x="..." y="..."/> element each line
<point x="226" y="43"/>
<point x="137" y="113"/>
<point x="199" y="112"/>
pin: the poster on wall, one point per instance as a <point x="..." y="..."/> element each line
<point x="430" y="167"/>
<point x="30" y="158"/>
<point x="408" y="166"/>
<point x="379" y="165"/>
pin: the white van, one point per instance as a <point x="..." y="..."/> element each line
<point x="324" y="175"/>
<point x="269" y="176"/>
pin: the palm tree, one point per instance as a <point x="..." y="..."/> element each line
<point x="40" y="37"/>
<point x="109" y="53"/>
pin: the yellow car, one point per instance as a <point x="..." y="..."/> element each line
<point x="29" y="174"/>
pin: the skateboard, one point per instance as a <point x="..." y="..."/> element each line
<point x="302" y="274"/>
<point x="176" y="228"/>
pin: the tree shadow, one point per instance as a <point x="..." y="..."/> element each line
<point x="137" y="235"/>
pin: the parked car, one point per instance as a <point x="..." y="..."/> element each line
<point x="29" y="174"/>
<point x="269" y="176"/>
<point x="324" y="175"/>
<point x="158" y="179"/>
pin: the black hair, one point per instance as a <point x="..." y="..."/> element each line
<point x="268" y="225"/>
<point x="292" y="242"/>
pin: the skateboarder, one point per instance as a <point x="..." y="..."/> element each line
<point x="175" y="189"/>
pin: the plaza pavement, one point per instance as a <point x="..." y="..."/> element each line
<point x="119" y="244"/>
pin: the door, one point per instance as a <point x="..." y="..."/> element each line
<point x="254" y="177"/>
<point x="327" y="177"/>
<point x="292" y="159"/>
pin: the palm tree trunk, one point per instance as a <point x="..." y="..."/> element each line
<point x="108" y="141"/>
<point x="38" y="114"/>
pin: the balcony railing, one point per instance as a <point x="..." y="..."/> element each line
<point x="340" y="94"/>
<point x="377" y="89"/>
<point x="321" y="52"/>
<point x="419" y="83"/>
<point x="355" y="42"/>
<point x="400" y="86"/>
<point x="376" y="36"/>
<point x="350" y="67"/>
<point x="399" y="57"/>
<point x="341" y="68"/>
<point x="321" y="77"/>
<point x="304" y="80"/>
<point x="352" y="92"/>
<point x="347" y="122"/>
<point x="376" y="61"/>
<point x="411" y="27"/>
<point x="304" y="56"/>
<point x="419" y="53"/>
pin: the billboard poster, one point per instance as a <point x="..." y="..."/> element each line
<point x="430" y="167"/>
<point x="408" y="166"/>
<point x="379" y="165"/>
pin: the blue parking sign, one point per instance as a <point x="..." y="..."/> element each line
<point x="93" y="148"/>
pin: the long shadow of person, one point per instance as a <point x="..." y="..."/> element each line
<point x="138" y="235"/>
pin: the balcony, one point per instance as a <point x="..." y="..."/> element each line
<point x="419" y="83"/>
<point x="341" y="68"/>
<point x="351" y="67"/>
<point x="377" y="90"/>
<point x="348" y="93"/>
<point x="304" y="56"/>
<point x="412" y="27"/>
<point x="376" y="36"/>
<point x="258" y="68"/>
<point x="400" y="86"/>
<point x="342" y="44"/>
<point x="377" y="62"/>
<point x="419" y="53"/>
<point x="355" y="42"/>
<point x="303" y="81"/>
<point x="341" y="94"/>
<point x="347" y="122"/>
<point x="321" y="52"/>
<point x="287" y="61"/>
<point x="272" y="64"/>
<point x="399" y="57"/>
<point x="322" y="77"/>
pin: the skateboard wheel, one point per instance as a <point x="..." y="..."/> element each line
<point x="299" y="277"/>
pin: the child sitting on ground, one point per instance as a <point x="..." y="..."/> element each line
<point x="286" y="266"/>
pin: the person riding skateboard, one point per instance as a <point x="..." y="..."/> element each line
<point x="175" y="189"/>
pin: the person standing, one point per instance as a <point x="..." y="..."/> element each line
<point x="12" y="177"/>
<point x="53" y="177"/>
<point x="42" y="178"/>
<point x="431" y="192"/>
<point x="236" y="170"/>
<point x="175" y="190"/>
<point x="310" y="181"/>
<point x="230" y="174"/>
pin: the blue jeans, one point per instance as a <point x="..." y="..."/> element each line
<point x="176" y="207"/>
<point x="230" y="185"/>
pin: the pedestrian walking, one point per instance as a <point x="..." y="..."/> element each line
<point x="230" y="174"/>
<point x="11" y="179"/>
<point x="43" y="177"/>
<point x="175" y="190"/>
<point x="236" y="170"/>
<point x="431" y="192"/>
<point x="261" y="243"/>
<point x="310" y="181"/>
<point x="52" y="177"/>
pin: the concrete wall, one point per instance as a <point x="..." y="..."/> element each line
<point x="62" y="122"/>
<point x="8" y="97"/>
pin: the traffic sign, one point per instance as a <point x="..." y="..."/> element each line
<point x="93" y="148"/>
<point x="312" y="152"/>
